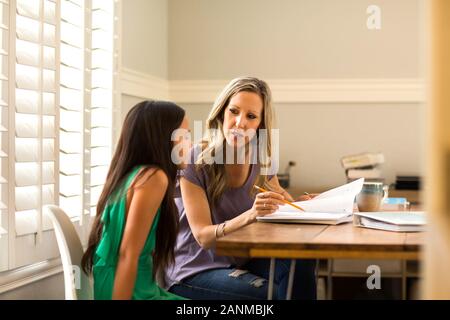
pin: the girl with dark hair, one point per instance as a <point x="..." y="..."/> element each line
<point x="134" y="232"/>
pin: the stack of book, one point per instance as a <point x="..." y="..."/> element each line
<point x="363" y="165"/>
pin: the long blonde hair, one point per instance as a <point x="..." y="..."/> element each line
<point x="214" y="139"/>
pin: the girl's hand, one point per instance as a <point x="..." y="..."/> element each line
<point x="265" y="203"/>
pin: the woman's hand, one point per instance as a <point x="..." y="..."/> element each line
<point x="265" y="203"/>
<point x="305" y="197"/>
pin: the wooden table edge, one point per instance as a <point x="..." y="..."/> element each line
<point x="319" y="254"/>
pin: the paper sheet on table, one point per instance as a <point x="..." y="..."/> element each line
<point x="334" y="206"/>
<point x="337" y="200"/>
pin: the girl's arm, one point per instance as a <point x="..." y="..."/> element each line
<point x="198" y="212"/>
<point x="145" y="201"/>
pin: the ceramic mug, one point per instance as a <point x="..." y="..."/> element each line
<point x="371" y="196"/>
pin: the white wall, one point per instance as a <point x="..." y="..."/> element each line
<point x="145" y="36"/>
<point x="308" y="39"/>
<point x="216" y="39"/>
<point x="145" y="40"/>
<point x="316" y="136"/>
<point x="311" y="39"/>
<point x="304" y="39"/>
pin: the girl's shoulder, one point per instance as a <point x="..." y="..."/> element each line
<point x="150" y="176"/>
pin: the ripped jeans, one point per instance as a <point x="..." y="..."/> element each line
<point x="250" y="282"/>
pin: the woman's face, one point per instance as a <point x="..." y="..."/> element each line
<point x="242" y="118"/>
<point x="182" y="144"/>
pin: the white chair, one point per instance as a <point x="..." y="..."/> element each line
<point x="76" y="282"/>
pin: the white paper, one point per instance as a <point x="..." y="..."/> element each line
<point x="334" y="206"/>
<point x="337" y="200"/>
<point x="307" y="216"/>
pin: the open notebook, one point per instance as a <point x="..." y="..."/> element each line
<point x="400" y="221"/>
<point x="307" y="217"/>
<point x="334" y="206"/>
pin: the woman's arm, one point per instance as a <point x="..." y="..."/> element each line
<point x="275" y="186"/>
<point x="198" y="212"/>
<point x="145" y="201"/>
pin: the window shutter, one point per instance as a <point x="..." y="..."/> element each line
<point x="86" y="93"/>
<point x="4" y="134"/>
<point x="56" y="110"/>
<point x="34" y="141"/>
<point x="102" y="84"/>
<point x="72" y="108"/>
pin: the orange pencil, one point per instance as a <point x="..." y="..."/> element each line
<point x="285" y="201"/>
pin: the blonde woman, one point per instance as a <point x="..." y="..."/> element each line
<point x="216" y="197"/>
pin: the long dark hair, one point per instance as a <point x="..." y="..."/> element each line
<point x="145" y="140"/>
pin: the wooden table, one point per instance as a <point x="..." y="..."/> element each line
<point x="294" y="241"/>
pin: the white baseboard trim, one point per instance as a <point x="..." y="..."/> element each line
<point x="17" y="278"/>
<point x="401" y="90"/>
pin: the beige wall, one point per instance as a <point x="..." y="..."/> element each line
<point x="145" y="36"/>
<point x="216" y="39"/>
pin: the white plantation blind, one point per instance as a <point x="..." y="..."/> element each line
<point x="102" y="76"/>
<point x="35" y="133"/>
<point x="73" y="60"/>
<point x="56" y="110"/>
<point x="86" y="92"/>
<point x="4" y="124"/>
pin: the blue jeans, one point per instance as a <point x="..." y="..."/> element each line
<point x="251" y="284"/>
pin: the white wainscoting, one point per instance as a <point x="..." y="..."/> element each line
<point x="400" y="90"/>
<point x="14" y="279"/>
<point x="36" y="261"/>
